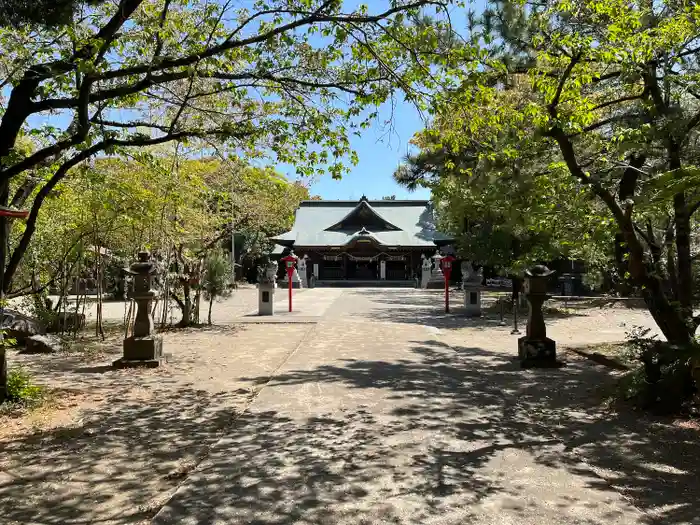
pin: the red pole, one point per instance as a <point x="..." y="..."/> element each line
<point x="290" y="293"/>
<point x="447" y="294"/>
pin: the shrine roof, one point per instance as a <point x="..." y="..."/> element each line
<point x="409" y="223"/>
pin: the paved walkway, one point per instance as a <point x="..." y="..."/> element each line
<point x="380" y="417"/>
<point x="362" y="407"/>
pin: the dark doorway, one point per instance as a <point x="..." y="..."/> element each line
<point x="363" y="270"/>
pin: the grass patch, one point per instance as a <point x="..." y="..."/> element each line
<point x="23" y="395"/>
<point x="21" y="388"/>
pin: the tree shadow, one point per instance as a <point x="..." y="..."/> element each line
<point x="427" y="308"/>
<point x="442" y="435"/>
<point x="111" y="466"/>
<point x="481" y="404"/>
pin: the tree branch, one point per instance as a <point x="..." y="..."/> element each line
<point x="230" y="44"/>
<point x="62" y="171"/>
<point x="619" y="100"/>
<point x="562" y="81"/>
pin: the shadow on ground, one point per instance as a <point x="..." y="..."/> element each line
<point x="116" y="464"/>
<point x="461" y="428"/>
<point x="427" y="308"/>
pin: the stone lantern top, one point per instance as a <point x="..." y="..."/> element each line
<point x="144" y="265"/>
<point x="536" y="279"/>
<point x="143" y="270"/>
<point x="539" y="270"/>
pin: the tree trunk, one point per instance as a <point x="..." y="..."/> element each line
<point x="671" y="320"/>
<point x="671" y="262"/>
<point x="684" y="265"/>
<point x="4" y="245"/>
<point x="3" y="374"/>
<point x="211" y="302"/>
<point x="186" y="306"/>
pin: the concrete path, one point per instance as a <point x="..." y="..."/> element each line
<point x="387" y="413"/>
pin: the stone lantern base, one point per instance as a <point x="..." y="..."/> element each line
<point x="141" y="352"/>
<point x="537" y="353"/>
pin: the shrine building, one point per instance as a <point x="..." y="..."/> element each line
<point x="362" y="242"/>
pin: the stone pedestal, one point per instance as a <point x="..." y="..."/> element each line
<point x="425" y="277"/>
<point x="535" y="349"/>
<point x="472" y="300"/>
<point x="537" y="352"/>
<point x="143" y="348"/>
<point x="266" y="298"/>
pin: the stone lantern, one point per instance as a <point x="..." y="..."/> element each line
<point x="436" y="280"/>
<point x="267" y="283"/>
<point x="535" y="348"/>
<point x="143" y="347"/>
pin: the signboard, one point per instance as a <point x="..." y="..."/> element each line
<point x="499" y="283"/>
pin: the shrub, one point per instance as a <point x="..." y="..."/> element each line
<point x="665" y="381"/>
<point x="20" y="387"/>
<point x="217" y="275"/>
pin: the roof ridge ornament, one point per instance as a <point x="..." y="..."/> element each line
<point x="363" y="198"/>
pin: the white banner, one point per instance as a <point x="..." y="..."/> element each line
<point x="499" y="283"/>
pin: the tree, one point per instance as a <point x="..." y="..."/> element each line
<point x="266" y="80"/>
<point x="505" y="212"/>
<point x="217" y="273"/>
<point x="615" y="92"/>
<point x="47" y="13"/>
<point x="263" y="81"/>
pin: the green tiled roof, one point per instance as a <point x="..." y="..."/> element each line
<point x="410" y="223"/>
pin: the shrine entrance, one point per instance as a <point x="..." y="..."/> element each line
<point x="363" y="268"/>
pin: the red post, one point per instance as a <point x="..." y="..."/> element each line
<point x="289" y="261"/>
<point x="447" y="295"/>
<point x="446" y="263"/>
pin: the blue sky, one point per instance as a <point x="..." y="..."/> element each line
<point x="380" y="150"/>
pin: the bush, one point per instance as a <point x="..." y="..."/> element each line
<point x="20" y="387"/>
<point x="664" y="382"/>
